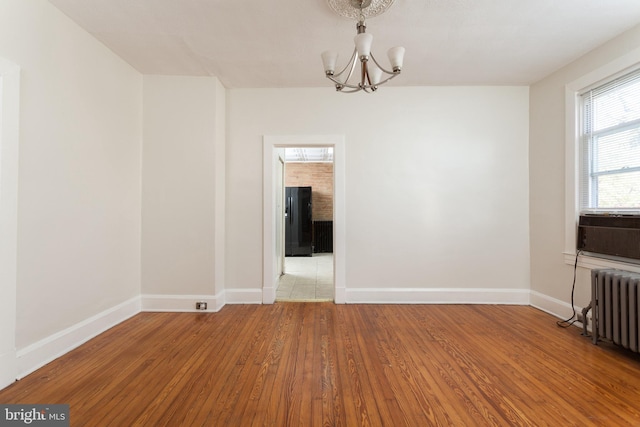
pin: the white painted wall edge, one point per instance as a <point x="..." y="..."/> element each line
<point x="44" y="351"/>
<point x="436" y="296"/>
<point x="181" y="303"/>
<point x="9" y="148"/>
<point x="7" y="368"/>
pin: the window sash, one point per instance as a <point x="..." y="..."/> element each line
<point x="610" y="147"/>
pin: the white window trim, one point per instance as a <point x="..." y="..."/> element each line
<point x="572" y="135"/>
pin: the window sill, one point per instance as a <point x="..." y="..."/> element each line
<point x="592" y="262"/>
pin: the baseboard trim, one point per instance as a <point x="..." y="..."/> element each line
<point x="243" y="296"/>
<point x="16" y="365"/>
<point x="269" y="293"/>
<point x="553" y="306"/>
<point x="340" y="295"/>
<point x="48" y="349"/>
<point x="436" y="296"/>
<point x="181" y="303"/>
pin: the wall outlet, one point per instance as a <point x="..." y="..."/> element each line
<point x="201" y="305"/>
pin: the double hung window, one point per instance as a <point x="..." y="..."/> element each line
<point x="610" y="147"/>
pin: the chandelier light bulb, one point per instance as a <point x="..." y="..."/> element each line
<point x="375" y="75"/>
<point x="396" y="56"/>
<point x="329" y="59"/>
<point x="363" y="44"/>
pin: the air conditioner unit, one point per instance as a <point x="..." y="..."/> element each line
<point x="616" y="235"/>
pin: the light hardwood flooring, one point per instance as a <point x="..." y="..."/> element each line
<point x="321" y="364"/>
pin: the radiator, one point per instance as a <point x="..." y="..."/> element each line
<point x="615" y="300"/>
<point x="323" y="236"/>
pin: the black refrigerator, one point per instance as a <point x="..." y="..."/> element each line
<point x="298" y="229"/>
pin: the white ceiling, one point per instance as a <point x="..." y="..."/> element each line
<point x="258" y="43"/>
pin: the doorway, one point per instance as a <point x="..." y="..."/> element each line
<point x="308" y="262"/>
<point x="274" y="149"/>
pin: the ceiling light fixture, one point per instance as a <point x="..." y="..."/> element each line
<point x="371" y="74"/>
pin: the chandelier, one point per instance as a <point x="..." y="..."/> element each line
<point x="370" y="74"/>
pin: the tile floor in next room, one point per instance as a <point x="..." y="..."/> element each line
<point x="307" y="279"/>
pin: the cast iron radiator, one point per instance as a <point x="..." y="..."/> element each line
<point x="615" y="300"/>
<point x="323" y="236"/>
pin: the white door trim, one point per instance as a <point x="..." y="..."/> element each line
<point x="270" y="145"/>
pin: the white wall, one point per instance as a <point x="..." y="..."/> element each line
<point x="9" y="147"/>
<point x="79" y="175"/>
<point x="553" y="238"/>
<point x="183" y="192"/>
<point x="436" y="183"/>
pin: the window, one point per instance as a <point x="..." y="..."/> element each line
<point x="610" y="146"/>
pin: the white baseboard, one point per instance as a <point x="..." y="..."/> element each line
<point x="8" y="368"/>
<point x="243" y="296"/>
<point x="436" y="296"/>
<point x="268" y="295"/>
<point x="553" y="306"/>
<point x="44" y="351"/>
<point x="15" y="365"/>
<point x="557" y="308"/>
<point x="181" y="303"/>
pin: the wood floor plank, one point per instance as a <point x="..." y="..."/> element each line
<point x="320" y="364"/>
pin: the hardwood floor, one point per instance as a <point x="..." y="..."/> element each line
<point x="320" y="364"/>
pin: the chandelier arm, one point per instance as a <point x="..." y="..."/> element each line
<point x="351" y="63"/>
<point x="354" y="61"/>
<point x="344" y="84"/>
<point x="380" y="66"/>
<point x="353" y="90"/>
<point x="384" y="81"/>
<point x="371" y="85"/>
<point x="364" y="75"/>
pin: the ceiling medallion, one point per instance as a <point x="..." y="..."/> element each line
<point x="351" y="8"/>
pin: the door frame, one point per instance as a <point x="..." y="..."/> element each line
<point x="280" y="222"/>
<point x="272" y="146"/>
